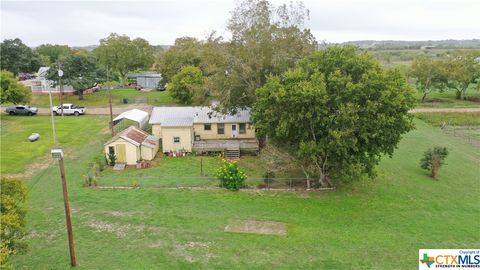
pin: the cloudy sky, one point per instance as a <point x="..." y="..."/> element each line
<point x="80" y="23"/>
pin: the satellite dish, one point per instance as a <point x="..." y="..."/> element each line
<point x="60" y="73"/>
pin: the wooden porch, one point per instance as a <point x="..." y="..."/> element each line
<point x="222" y="145"/>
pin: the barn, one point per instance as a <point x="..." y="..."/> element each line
<point x="147" y="80"/>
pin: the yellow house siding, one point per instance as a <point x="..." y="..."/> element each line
<point x="184" y="133"/>
<point x="212" y="134"/>
<point x="148" y="153"/>
<point x="131" y="151"/>
<point x="157" y="130"/>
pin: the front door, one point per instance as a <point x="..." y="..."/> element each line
<point x="120" y="153"/>
<point x="234" y="131"/>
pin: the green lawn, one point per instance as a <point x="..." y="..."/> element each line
<point x="373" y="224"/>
<point x="450" y="118"/>
<point x="190" y="171"/>
<point x="17" y="151"/>
<point x="100" y="98"/>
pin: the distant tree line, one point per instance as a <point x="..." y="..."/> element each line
<point x="457" y="72"/>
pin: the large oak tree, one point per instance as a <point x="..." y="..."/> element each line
<point x="337" y="113"/>
<point x="123" y="55"/>
<point x="18" y="57"/>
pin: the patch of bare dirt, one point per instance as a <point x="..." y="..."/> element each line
<point x="194" y="251"/>
<point x="39" y="164"/>
<point x="124" y="213"/>
<point x="257" y="227"/>
<point x="120" y="230"/>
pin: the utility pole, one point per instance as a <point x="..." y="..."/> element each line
<point x="60" y="74"/>
<point x="110" y="102"/>
<point x="47" y="84"/>
<point x="58" y="155"/>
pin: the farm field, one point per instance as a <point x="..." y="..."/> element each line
<point x="369" y="224"/>
<point x="100" y="98"/>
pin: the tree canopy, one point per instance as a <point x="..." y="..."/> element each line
<point x="18" y="57"/>
<point x="51" y="53"/>
<point x="187" y="85"/>
<point x="337" y="112"/>
<point x="12" y="91"/>
<point x="430" y="75"/>
<point x="123" y="55"/>
<point x="265" y="40"/>
<point x="79" y="70"/>
<point x="462" y="70"/>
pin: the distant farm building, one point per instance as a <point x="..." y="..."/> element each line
<point x="146" y="80"/>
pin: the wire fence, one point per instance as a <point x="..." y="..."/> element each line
<point x="199" y="182"/>
<point x="469" y="134"/>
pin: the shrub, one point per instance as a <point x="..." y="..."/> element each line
<point x="433" y="159"/>
<point x="112" y="159"/>
<point x="135" y="184"/>
<point x="230" y="176"/>
<point x="100" y="162"/>
<point x="90" y="180"/>
<point x="12" y="227"/>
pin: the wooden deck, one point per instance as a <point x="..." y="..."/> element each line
<point x="221" y="145"/>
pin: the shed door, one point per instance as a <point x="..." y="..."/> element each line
<point x="120" y="152"/>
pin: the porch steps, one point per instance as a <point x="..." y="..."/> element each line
<point x="232" y="153"/>
<point x="119" y="166"/>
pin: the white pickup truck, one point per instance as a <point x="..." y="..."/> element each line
<point x="69" y="109"/>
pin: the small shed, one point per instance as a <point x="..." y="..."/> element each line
<point x="147" y="80"/>
<point x="138" y="116"/>
<point x="132" y="145"/>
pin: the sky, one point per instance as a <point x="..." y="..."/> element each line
<point x="82" y="23"/>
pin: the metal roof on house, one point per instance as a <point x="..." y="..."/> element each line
<point x="178" y="122"/>
<point x="183" y="116"/>
<point x="136" y="137"/>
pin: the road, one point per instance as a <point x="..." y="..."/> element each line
<point x="106" y="110"/>
<point x="145" y="107"/>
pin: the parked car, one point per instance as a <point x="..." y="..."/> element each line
<point x="69" y="109"/>
<point x="21" y="110"/>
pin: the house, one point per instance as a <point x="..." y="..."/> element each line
<point x="146" y="80"/>
<point x="202" y="129"/>
<point x="132" y="145"/>
<point x="136" y="116"/>
<point x="41" y="86"/>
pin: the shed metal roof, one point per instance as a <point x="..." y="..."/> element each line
<point x="139" y="116"/>
<point x="136" y="137"/>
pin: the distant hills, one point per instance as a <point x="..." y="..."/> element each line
<point x="423" y="44"/>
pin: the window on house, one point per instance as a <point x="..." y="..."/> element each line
<point x="207" y="127"/>
<point x="176" y="139"/>
<point x="243" y="128"/>
<point x="111" y="150"/>
<point x="220" y="128"/>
